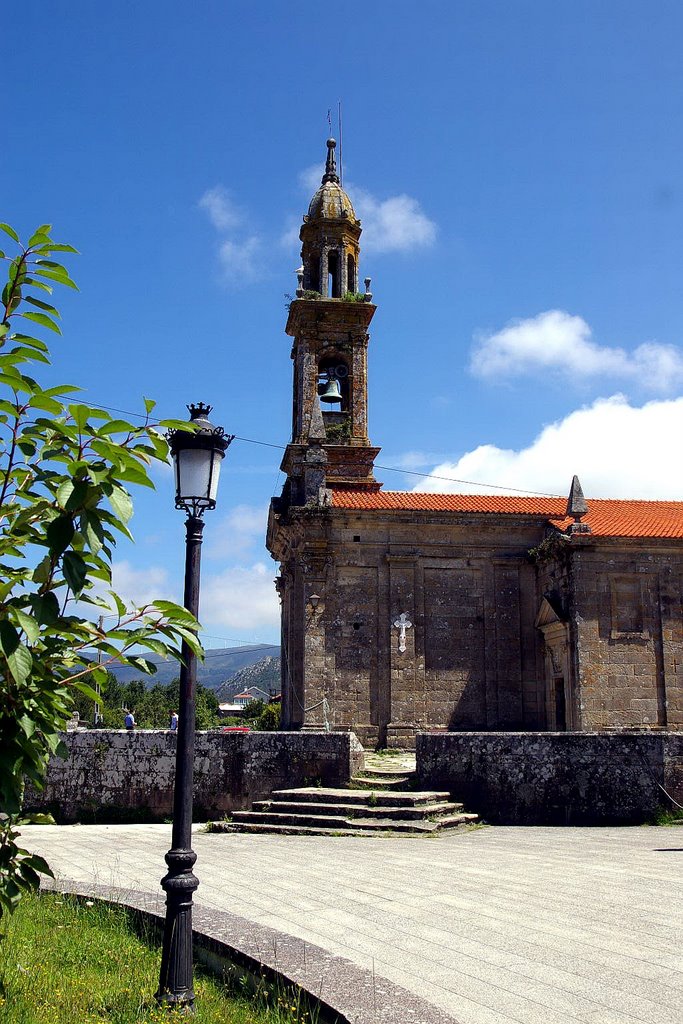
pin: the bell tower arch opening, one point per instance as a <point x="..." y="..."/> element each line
<point x="312" y="272"/>
<point x="351" y="283"/>
<point x="333" y="384"/>
<point x="333" y="275"/>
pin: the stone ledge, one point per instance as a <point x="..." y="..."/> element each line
<point x="344" y="992"/>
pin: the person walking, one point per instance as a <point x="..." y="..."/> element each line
<point x="129" y="720"/>
<point x="173" y="724"/>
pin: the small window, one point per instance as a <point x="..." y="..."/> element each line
<point x="357" y="538"/>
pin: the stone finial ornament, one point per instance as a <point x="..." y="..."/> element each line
<point x="316" y="429"/>
<point x="331" y="163"/>
<point x="577" y="506"/>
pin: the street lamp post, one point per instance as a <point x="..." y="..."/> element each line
<point x="197" y="456"/>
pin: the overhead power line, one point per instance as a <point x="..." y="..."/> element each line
<point x="385" y="469"/>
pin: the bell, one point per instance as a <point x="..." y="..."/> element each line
<point x="331" y="394"/>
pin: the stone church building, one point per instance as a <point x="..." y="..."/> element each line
<point x="406" y="611"/>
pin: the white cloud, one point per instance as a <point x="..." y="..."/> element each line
<point x="141" y="586"/>
<point x="239" y="251"/>
<point x="238" y="260"/>
<point x="289" y="239"/>
<point x="395" y="224"/>
<point x="618" y="451"/>
<point x="220" y="209"/>
<point x="559" y="343"/>
<point x="311" y="177"/>
<point x="241" y="597"/>
<point x="238" y="531"/>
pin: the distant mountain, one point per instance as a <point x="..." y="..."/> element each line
<point x="264" y="673"/>
<point x="219" y="666"/>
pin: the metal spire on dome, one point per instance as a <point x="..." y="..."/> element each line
<point x="331" y="163"/>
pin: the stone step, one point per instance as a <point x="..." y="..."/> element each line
<point x="283" y="830"/>
<point x="347" y="810"/>
<point x="377" y="809"/>
<point x="245" y="820"/>
<point x="386" y="773"/>
<point x="361" y="782"/>
<point x="398" y="798"/>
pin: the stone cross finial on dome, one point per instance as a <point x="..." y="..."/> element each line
<point x="331" y="163"/>
<point x="577" y="506"/>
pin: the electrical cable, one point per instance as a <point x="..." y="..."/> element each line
<point x="385" y="469"/>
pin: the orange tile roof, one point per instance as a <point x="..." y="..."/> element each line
<point x="607" y="517"/>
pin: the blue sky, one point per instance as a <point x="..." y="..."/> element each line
<point x="518" y="170"/>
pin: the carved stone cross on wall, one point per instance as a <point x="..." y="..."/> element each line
<point x="402" y="624"/>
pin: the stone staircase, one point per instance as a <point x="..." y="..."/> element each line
<point x="380" y="801"/>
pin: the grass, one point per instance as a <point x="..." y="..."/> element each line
<point x="68" y="962"/>
<point x="668" y="816"/>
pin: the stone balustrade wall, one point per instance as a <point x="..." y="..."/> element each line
<point x="531" y="778"/>
<point x="112" y="775"/>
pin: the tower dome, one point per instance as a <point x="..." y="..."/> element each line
<point x="329" y="236"/>
<point x="331" y="202"/>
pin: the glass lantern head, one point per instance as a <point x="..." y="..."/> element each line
<point x="197" y="456"/>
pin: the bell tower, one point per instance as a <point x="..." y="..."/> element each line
<point x="329" y="320"/>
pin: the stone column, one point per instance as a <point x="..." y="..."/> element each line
<point x="282" y="585"/>
<point x="343" y="284"/>
<point x="307" y="372"/>
<point x="359" y="386"/>
<point x="508" y="651"/>
<point x="324" y="272"/>
<point x="406" y="703"/>
<point x="315" y="710"/>
<point x="671" y="615"/>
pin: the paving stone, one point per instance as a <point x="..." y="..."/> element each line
<point x="499" y="925"/>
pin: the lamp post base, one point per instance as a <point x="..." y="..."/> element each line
<point x="180" y="884"/>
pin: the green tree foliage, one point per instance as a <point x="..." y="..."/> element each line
<point x="261" y="716"/>
<point x="65" y="469"/>
<point x="151" y="706"/>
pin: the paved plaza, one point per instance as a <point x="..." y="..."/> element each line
<point x="531" y="925"/>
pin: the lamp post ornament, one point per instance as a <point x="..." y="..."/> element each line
<point x="197" y="456"/>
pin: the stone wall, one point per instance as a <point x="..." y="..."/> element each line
<point x="555" y="778"/>
<point x="128" y="776"/>
<point x="616" y="647"/>
<point x="472" y="657"/>
<point x="630" y="636"/>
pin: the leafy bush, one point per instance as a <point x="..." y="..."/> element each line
<point x="269" y="719"/>
<point x="261" y="716"/>
<point x="337" y="433"/>
<point x="64" y="471"/>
